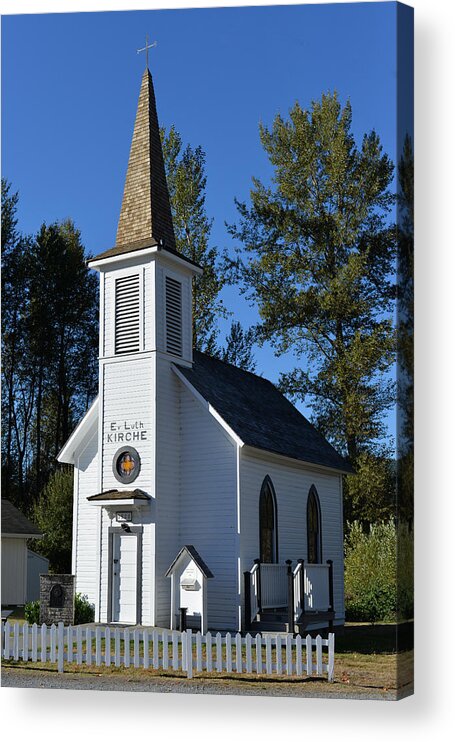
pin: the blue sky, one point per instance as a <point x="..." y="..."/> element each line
<point x="70" y="84"/>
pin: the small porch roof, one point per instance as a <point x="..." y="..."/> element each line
<point x="119" y="497"/>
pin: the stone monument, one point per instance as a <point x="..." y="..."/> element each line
<point x="57" y="599"/>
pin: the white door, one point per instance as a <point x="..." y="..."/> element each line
<point x="124" y="578"/>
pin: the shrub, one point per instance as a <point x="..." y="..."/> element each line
<point x="370" y="573"/>
<point x="31" y="612"/>
<point x="84" y="611"/>
<point x="373" y="589"/>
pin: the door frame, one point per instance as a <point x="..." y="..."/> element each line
<point x="134" y="532"/>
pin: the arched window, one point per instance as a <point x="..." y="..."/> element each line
<point x="268" y="532"/>
<point x="313" y="520"/>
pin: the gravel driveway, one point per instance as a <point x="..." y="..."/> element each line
<point x="15" y="678"/>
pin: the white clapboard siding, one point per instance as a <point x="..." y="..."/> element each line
<point x="165" y="650"/>
<point x="168" y="481"/>
<point x="86" y="542"/>
<point x="208" y="502"/>
<point x="292" y="484"/>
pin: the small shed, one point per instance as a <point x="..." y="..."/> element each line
<point x="189" y="574"/>
<point x="36" y="565"/>
<point x="16" y="530"/>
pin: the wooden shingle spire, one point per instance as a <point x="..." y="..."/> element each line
<point x="145" y="215"/>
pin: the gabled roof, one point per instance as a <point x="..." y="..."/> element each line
<point x="258" y="413"/>
<point x="193" y="554"/>
<point x="14" y="522"/>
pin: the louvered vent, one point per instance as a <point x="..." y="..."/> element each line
<point x="173" y="316"/>
<point x="127" y="314"/>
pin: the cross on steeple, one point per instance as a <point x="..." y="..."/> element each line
<point x="146" y="50"/>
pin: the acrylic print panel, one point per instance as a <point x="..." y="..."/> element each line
<point x="208" y="342"/>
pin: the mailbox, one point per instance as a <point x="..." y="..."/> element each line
<point x="189" y="574"/>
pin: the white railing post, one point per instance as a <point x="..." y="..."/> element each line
<point x="34" y="643"/>
<point x="7" y="638"/>
<point x="331" y="661"/>
<point x="16" y="641"/>
<point x="60" y="646"/>
<point x="189" y="653"/>
<point x="25" y="642"/>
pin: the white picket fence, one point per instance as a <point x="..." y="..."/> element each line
<point x="160" y="649"/>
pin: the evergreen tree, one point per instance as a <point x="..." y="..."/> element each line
<point x="405" y="422"/>
<point x="49" y="348"/>
<point x="53" y="514"/>
<point x="319" y="255"/>
<point x="186" y="178"/>
<point x="238" y="347"/>
<point x="17" y="372"/>
<point x="63" y="340"/>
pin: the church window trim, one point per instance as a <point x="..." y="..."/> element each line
<point x="268" y="493"/>
<point x="313" y="518"/>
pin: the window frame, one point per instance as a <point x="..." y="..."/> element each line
<point x="267" y="486"/>
<point x="313" y="496"/>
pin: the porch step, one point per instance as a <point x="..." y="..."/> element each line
<point x="312" y="617"/>
<point x="274" y="621"/>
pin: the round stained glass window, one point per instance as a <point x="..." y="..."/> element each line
<point x="126" y="465"/>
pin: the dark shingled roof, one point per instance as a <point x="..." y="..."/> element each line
<point x="119" y="495"/>
<point x="191" y="551"/>
<point x="259" y="414"/>
<point x="14" y="522"/>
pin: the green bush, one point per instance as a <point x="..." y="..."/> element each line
<point x="374" y="591"/>
<point x="31" y="612"/>
<point x="84" y="612"/>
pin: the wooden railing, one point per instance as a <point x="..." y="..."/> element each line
<point x="306" y="588"/>
<point x="313" y="587"/>
<point x="274" y="586"/>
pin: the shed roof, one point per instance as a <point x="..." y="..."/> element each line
<point x="259" y="414"/>
<point x="13" y="521"/>
<point x="119" y="495"/>
<point x="193" y="554"/>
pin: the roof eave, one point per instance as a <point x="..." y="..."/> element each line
<point x="67" y="454"/>
<point x="101" y="263"/>
<point x="304" y="462"/>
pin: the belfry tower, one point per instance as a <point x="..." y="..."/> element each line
<point x="145" y="326"/>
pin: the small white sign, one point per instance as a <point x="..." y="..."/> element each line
<point x="124" y="516"/>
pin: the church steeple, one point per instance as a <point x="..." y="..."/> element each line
<point x="145" y="215"/>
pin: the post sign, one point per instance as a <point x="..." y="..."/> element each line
<point x="124" y="516"/>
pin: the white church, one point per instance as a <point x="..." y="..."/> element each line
<point x="190" y="473"/>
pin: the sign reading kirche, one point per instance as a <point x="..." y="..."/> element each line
<point x="125" y="432"/>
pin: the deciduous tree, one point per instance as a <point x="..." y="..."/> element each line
<point x="318" y="260"/>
